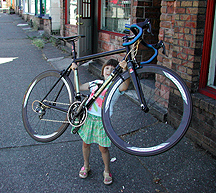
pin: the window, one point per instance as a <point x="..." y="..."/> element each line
<point x="115" y="15"/>
<point x="86" y="9"/>
<point x="207" y="84"/>
<point x="32" y="6"/>
<point x="72" y="12"/>
<point x="47" y="10"/>
<point x="40" y="7"/>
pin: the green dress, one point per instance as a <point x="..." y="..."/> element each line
<point x="92" y="131"/>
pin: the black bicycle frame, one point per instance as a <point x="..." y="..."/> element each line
<point x="114" y="74"/>
<point x="82" y="59"/>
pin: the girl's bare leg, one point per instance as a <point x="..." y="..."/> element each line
<point x="86" y="153"/>
<point x="106" y="158"/>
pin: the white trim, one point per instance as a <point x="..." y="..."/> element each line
<point x="212" y="64"/>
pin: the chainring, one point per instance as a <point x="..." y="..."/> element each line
<point x="74" y="119"/>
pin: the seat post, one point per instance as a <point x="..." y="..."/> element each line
<point x="73" y="50"/>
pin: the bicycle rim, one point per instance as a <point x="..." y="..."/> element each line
<point x="53" y="122"/>
<point x="152" y="133"/>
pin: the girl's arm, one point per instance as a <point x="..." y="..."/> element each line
<point x="84" y="86"/>
<point x="125" y="84"/>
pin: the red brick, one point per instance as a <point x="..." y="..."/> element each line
<point x="165" y="17"/>
<point x="183" y="43"/>
<point x="192" y="10"/>
<point x="186" y="3"/>
<point x="182" y="56"/>
<point x="163" y="10"/>
<point x="190" y="24"/>
<point x="182" y="69"/>
<point x="106" y="46"/>
<point x="165" y="24"/>
<point x="179" y="36"/>
<point x="194" y="18"/>
<point x="105" y="37"/>
<point x="169" y="32"/>
<point x="179" y="23"/>
<point x="189" y="37"/>
<point x="177" y="61"/>
<point x="185" y="17"/>
<point x="180" y="10"/>
<point x="160" y="58"/>
<point x="188" y="51"/>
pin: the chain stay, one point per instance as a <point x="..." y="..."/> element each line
<point x="56" y="121"/>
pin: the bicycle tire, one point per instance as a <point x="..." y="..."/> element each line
<point x="147" y="134"/>
<point x="54" y="122"/>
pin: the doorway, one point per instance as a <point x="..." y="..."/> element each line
<point x="81" y="15"/>
<point x="85" y="27"/>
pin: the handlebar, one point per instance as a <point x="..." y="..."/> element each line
<point x="140" y="26"/>
<point x="138" y="34"/>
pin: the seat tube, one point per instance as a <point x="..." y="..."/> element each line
<point x="136" y="82"/>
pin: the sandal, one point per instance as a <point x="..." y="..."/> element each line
<point x="84" y="172"/>
<point x="107" y="178"/>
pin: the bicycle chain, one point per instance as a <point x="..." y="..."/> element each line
<point x="50" y="120"/>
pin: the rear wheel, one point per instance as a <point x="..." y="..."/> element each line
<point x="43" y="123"/>
<point x="152" y="133"/>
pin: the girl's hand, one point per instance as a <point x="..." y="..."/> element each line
<point x="73" y="66"/>
<point x="123" y="64"/>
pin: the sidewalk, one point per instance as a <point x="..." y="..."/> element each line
<point x="27" y="166"/>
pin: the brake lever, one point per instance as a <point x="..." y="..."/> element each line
<point x="164" y="49"/>
<point x="161" y="45"/>
<point x="149" y="30"/>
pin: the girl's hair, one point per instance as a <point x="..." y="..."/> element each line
<point x="110" y="62"/>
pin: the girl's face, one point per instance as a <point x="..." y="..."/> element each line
<point x="107" y="71"/>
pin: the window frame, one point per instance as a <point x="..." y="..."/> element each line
<point x="99" y="23"/>
<point x="207" y="43"/>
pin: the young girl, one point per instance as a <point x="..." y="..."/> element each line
<point x="92" y="130"/>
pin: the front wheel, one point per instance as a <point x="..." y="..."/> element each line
<point x="43" y="122"/>
<point x="146" y="134"/>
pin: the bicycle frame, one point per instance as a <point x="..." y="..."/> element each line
<point x="83" y="59"/>
<point x="114" y="74"/>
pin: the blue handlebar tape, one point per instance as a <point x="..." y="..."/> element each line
<point x="136" y="38"/>
<point x="155" y="54"/>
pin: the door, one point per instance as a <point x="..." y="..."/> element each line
<point x="85" y="27"/>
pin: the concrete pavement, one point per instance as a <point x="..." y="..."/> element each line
<point x="29" y="166"/>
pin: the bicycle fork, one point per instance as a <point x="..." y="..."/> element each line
<point x="136" y="83"/>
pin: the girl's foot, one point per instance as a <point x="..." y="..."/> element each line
<point x="84" y="172"/>
<point x="107" y="178"/>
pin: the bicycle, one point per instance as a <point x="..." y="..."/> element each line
<point x="149" y="118"/>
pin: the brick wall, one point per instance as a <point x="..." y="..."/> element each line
<point x="47" y="25"/>
<point x="203" y="125"/>
<point x="110" y="41"/>
<point x="182" y="29"/>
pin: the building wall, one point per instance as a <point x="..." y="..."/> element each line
<point x="182" y="29"/>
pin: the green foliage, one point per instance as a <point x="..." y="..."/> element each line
<point x="39" y="43"/>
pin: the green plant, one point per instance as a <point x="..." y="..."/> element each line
<point x="38" y="43"/>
